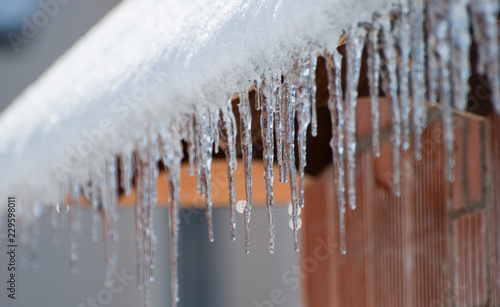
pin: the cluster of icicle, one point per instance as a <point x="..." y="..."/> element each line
<point x="396" y="51"/>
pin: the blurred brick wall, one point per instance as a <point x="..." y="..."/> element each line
<point x="436" y="245"/>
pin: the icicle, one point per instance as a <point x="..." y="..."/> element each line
<point x="214" y="127"/>
<point x="303" y="107"/>
<point x="138" y="218"/>
<point x="443" y="52"/>
<point x="401" y="33"/>
<point x="284" y="119"/>
<point x="207" y="158"/>
<point x="191" y="143"/>
<point x="337" y="142"/>
<point x="354" y="47"/>
<point x="171" y="152"/>
<point x="257" y="95"/>
<point x="110" y="217"/>
<point x="74" y="224"/>
<point x="127" y="174"/>
<point x="290" y="146"/>
<point x="313" y="59"/>
<point x="432" y="71"/>
<point x="54" y="226"/>
<point x="266" y="123"/>
<point x="417" y="72"/>
<point x="278" y="124"/>
<point x="485" y="30"/>
<point x="96" y="200"/>
<point x="373" y="78"/>
<point x="246" y="149"/>
<point x="228" y="126"/>
<point x="460" y="43"/>
<point x="390" y="86"/>
<point x="35" y="234"/>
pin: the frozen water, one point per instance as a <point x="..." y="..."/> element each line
<point x="172" y="83"/>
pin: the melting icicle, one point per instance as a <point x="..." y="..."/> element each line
<point x="246" y="149"/>
<point x="228" y="126"/>
<point x="290" y="147"/>
<point x="401" y="31"/>
<point x="337" y="142"/>
<point x="313" y="59"/>
<point x="171" y="152"/>
<point x="303" y="107"/>
<point x="417" y="72"/>
<point x="354" y="47"/>
<point x="443" y="52"/>
<point x="373" y="79"/>
<point x="284" y="130"/>
<point x="485" y="25"/>
<point x="266" y="123"/>
<point x="74" y="211"/>
<point x="390" y="86"/>
<point x="460" y="43"/>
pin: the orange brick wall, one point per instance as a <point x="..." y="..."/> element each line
<point x="436" y="245"/>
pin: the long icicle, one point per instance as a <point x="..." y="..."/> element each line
<point x="228" y="129"/>
<point x="74" y="210"/>
<point x="337" y="142"/>
<point x="278" y="125"/>
<point x="417" y="72"/>
<point x="354" y="47"/>
<point x="171" y="152"/>
<point x="303" y="108"/>
<point x="313" y="61"/>
<point x="373" y="79"/>
<point x="266" y="122"/>
<point x="290" y="146"/>
<point x="401" y="30"/>
<point x="246" y="149"/>
<point x="390" y="86"/>
<point x="443" y="52"/>
<point x="460" y="46"/>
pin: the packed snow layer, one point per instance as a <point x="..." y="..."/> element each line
<point x="148" y="62"/>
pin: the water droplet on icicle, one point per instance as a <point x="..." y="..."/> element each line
<point x="246" y="149"/>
